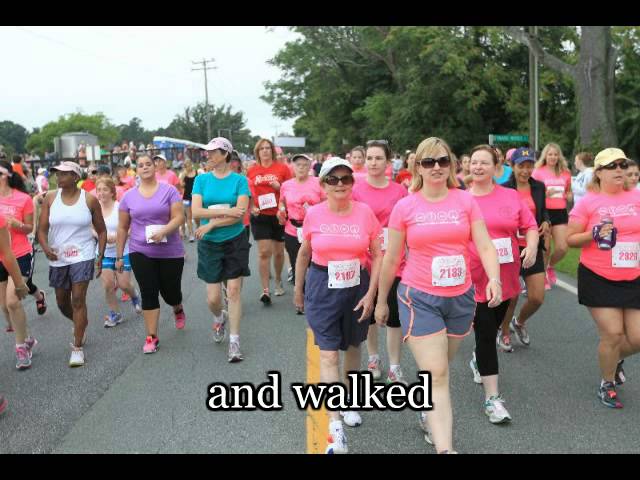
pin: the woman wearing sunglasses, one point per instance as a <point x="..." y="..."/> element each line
<point x="605" y="224"/>
<point x="382" y="194"/>
<point x="504" y="214"/>
<point x="436" y="223"/>
<point x="337" y="292"/>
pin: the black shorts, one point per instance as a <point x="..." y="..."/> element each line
<point x="267" y="227"/>
<point x="392" y="301"/>
<point x="558" y="217"/>
<point x="537" y="267"/>
<point x="599" y="292"/>
<point x="25" y="263"/>
<point x="224" y="260"/>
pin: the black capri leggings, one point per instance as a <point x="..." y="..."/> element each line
<point x="293" y="247"/>
<point x="158" y="276"/>
<point x="485" y="326"/>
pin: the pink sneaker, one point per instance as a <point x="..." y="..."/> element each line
<point x="547" y="285"/>
<point x="551" y="275"/>
<point x="151" y="345"/>
<point x="181" y="318"/>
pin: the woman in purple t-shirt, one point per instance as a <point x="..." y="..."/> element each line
<point x="154" y="212"/>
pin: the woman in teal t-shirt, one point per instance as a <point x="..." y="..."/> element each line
<point x="220" y="199"/>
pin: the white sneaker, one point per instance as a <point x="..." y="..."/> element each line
<point x="424" y="426"/>
<point x="279" y="290"/>
<point x="474" y="368"/>
<point x="495" y="410"/>
<point x="374" y="367"/>
<point x="337" y="443"/>
<point x="351" y="418"/>
<point x="77" y="357"/>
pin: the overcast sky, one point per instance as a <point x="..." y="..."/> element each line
<point x="142" y="72"/>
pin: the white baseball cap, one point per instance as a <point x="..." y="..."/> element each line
<point x="68" y="167"/>
<point x="330" y="164"/>
<point x="219" y="143"/>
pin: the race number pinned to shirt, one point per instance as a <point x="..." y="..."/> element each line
<point x="555" y="192"/>
<point x="448" y="271"/>
<point x="344" y="274"/>
<point x="504" y="249"/>
<point x="299" y="232"/>
<point x="626" y="255"/>
<point x="70" y="253"/>
<point x="151" y="230"/>
<point x="267" y="201"/>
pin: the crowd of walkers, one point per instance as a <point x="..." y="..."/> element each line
<point x="429" y="246"/>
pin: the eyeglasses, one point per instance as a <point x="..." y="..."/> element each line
<point x="333" y="180"/>
<point x="624" y="165"/>
<point x="443" y="162"/>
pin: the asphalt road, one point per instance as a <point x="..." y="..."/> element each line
<point x="124" y="402"/>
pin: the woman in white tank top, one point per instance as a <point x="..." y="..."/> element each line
<point x="64" y="232"/>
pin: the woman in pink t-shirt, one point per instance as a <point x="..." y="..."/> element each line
<point x="382" y="194"/>
<point x="436" y="223"/>
<point x="605" y="223"/>
<point x="297" y="195"/>
<point x="337" y="292"/>
<point x="552" y="170"/>
<point x="504" y="214"/>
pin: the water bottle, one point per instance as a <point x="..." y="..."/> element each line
<point x="608" y="242"/>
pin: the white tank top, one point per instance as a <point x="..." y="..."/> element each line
<point x="111" y="223"/>
<point x="70" y="231"/>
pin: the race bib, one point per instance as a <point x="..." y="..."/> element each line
<point x="267" y="201"/>
<point x="555" y="192"/>
<point x="70" y="252"/>
<point x="504" y="249"/>
<point x="344" y="274"/>
<point x="626" y="255"/>
<point x="299" y="232"/>
<point x="151" y="230"/>
<point x="385" y="238"/>
<point x="448" y="271"/>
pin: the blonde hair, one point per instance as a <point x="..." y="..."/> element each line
<point x="594" y="184"/>
<point x="561" y="166"/>
<point x="428" y="147"/>
<point x="109" y="183"/>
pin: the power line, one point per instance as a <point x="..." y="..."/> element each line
<point x="206" y="89"/>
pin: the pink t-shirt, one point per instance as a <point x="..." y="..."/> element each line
<point x="381" y="201"/>
<point x="558" y="184"/>
<point x="298" y="198"/>
<point x="437" y="236"/>
<point x="340" y="237"/>
<point x="169" y="177"/>
<point x="624" y="210"/>
<point x="17" y="205"/>
<point x="504" y="213"/>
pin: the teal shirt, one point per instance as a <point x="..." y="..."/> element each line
<point x="215" y="191"/>
<point x="506" y="175"/>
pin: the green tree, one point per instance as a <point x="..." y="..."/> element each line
<point x="97" y="124"/>
<point x="134" y="131"/>
<point x="13" y="137"/>
<point x="627" y="40"/>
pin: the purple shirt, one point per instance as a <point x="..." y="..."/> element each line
<point x="152" y="211"/>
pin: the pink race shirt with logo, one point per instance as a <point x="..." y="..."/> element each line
<point x="169" y="177"/>
<point x="299" y="197"/>
<point x="340" y="237"/>
<point x="624" y="210"/>
<point x="17" y="205"/>
<point x="504" y="214"/>
<point x="550" y="179"/>
<point x="434" y="230"/>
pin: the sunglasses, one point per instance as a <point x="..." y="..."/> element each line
<point x="333" y="180"/>
<point x="443" y="162"/>
<point x="624" y="165"/>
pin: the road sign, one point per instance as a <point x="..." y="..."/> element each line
<point x="494" y="138"/>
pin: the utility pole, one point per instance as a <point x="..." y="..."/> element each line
<point x="206" y="90"/>
<point x="534" y="95"/>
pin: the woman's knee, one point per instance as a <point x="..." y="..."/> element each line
<point x="329" y="359"/>
<point x="78" y="303"/>
<point x="233" y="293"/>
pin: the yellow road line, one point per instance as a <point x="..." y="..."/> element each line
<point x="317" y="420"/>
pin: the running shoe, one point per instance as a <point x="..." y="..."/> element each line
<point x="504" y="342"/>
<point x="351" y="418"/>
<point x="3" y="404"/>
<point x="180" y="318"/>
<point x="337" y="443"/>
<point x="9" y="329"/>
<point x="23" y="359"/>
<point x="234" y="355"/>
<point x="192" y="239"/>
<point x="219" y="330"/>
<point x="424" y="426"/>
<point x="474" y="368"/>
<point x="620" y="377"/>
<point x="77" y="357"/>
<point x="279" y="290"/>
<point x="547" y="285"/>
<point x="608" y="396"/>
<point x="495" y="410"/>
<point x="396" y="376"/>
<point x="520" y="331"/>
<point x="374" y="368"/>
<point x="30" y="342"/>
<point x="112" y="319"/>
<point x="299" y="311"/>
<point x="41" y="305"/>
<point x="137" y="303"/>
<point x="551" y="275"/>
<point x="125" y="297"/>
<point x="290" y="275"/>
<point x="265" y="297"/>
<point x="151" y="345"/>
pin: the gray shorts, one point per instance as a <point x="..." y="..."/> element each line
<point x="64" y="277"/>
<point x="424" y="315"/>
